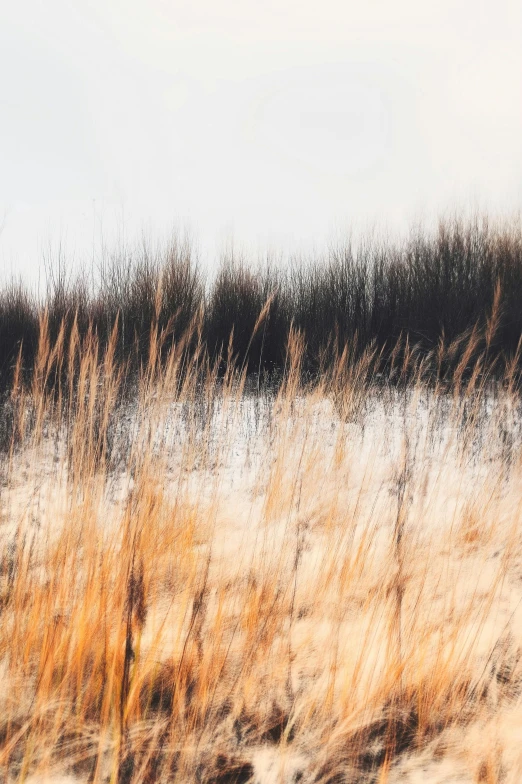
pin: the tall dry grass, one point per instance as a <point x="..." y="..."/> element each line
<point x="319" y="583"/>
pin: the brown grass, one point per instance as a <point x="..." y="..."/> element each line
<point x="322" y="584"/>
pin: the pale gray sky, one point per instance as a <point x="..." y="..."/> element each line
<point x="278" y="123"/>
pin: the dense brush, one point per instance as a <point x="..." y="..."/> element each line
<point x="432" y="287"/>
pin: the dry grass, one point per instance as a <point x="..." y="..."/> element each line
<point x="322" y="584"/>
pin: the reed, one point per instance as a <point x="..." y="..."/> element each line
<point x="204" y="582"/>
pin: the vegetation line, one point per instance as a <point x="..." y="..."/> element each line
<point x="431" y="288"/>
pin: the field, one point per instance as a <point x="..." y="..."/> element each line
<point x="217" y="570"/>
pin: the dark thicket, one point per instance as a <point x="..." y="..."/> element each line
<point x="430" y="288"/>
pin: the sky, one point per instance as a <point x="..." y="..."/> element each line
<point x="274" y="125"/>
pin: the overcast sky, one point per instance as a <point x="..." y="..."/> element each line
<point x="278" y="123"/>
